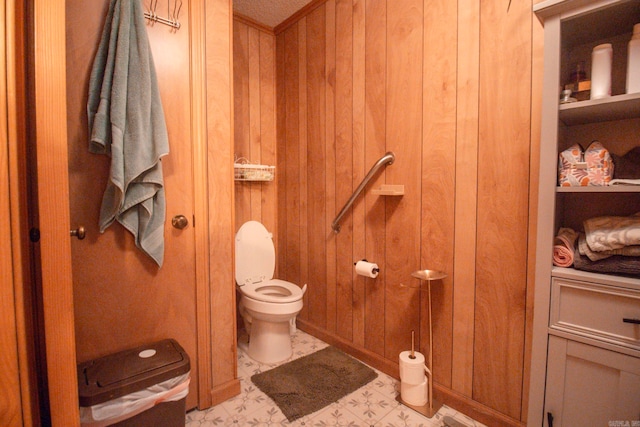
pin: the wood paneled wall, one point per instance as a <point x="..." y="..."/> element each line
<point x="254" y="83"/>
<point x="446" y="86"/>
<point x="219" y="125"/>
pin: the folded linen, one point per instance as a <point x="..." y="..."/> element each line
<point x="627" y="166"/>
<point x="584" y="249"/>
<point x="563" y="247"/>
<point x="612" y="232"/>
<point x="617" y="264"/>
<point x="126" y="122"/>
<point x="624" y="181"/>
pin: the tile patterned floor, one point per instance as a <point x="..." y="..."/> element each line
<point x="372" y="405"/>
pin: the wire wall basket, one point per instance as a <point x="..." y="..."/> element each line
<point x="249" y="172"/>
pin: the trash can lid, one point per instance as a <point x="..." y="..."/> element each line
<point x="125" y="372"/>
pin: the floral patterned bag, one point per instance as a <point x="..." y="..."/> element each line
<point x="577" y="168"/>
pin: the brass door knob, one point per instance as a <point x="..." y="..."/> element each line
<point x="79" y="232"/>
<point x="179" y="221"/>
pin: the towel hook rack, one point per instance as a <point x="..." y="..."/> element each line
<point x="172" y="17"/>
<point x="388" y="158"/>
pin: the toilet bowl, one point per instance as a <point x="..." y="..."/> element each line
<point x="268" y="306"/>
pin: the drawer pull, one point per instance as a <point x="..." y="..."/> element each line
<point x="634" y="321"/>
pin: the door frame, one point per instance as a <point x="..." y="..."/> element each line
<point x="197" y="25"/>
<point x="49" y="101"/>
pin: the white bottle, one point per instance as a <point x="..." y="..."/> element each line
<point x="633" y="62"/>
<point x="601" y="59"/>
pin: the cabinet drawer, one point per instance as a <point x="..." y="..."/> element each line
<point x="601" y="312"/>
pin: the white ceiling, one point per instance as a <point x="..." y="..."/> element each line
<point x="268" y="12"/>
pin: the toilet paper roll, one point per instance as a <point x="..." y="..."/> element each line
<point x="367" y="269"/>
<point x="413" y="381"/>
<point x="412" y="371"/>
<point x="414" y="394"/>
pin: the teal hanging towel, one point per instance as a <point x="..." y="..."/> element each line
<point x="126" y="122"/>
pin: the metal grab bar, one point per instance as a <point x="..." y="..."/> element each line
<point x="388" y="158"/>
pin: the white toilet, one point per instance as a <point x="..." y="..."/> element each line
<point x="268" y="306"/>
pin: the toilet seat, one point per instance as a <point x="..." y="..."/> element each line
<point x="273" y="291"/>
<point x="255" y="264"/>
<point x="255" y="254"/>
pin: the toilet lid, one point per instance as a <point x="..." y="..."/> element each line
<point x="274" y="290"/>
<point x="255" y="254"/>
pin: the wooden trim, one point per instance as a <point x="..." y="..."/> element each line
<point x="330" y="160"/>
<point x="225" y="391"/>
<point x="200" y="192"/>
<point x="293" y="19"/>
<point x="17" y="144"/>
<point x="253" y="23"/>
<point x="11" y="409"/>
<point x="219" y="92"/>
<point x="473" y="409"/>
<point x="53" y="197"/>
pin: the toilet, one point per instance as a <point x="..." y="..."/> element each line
<point x="268" y="306"/>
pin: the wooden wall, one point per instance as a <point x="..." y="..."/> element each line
<point x="446" y="86"/>
<point x="254" y="84"/>
<point x="220" y="202"/>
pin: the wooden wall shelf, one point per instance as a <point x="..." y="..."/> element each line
<point x="389" y="190"/>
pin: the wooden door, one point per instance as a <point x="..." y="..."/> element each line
<point x="122" y="299"/>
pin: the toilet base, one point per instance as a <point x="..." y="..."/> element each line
<point x="269" y="342"/>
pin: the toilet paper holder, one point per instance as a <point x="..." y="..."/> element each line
<point x="432" y="406"/>
<point x="375" y="270"/>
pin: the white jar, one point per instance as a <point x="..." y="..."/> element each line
<point x="601" y="59"/>
<point x="633" y="61"/>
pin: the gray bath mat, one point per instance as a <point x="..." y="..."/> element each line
<point x="308" y="384"/>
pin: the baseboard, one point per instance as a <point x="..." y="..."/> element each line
<point x="225" y="391"/>
<point x="451" y="398"/>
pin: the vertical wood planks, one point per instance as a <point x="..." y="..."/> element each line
<point x="267" y="138"/>
<point x="415" y="78"/>
<point x="255" y="193"/>
<point x="315" y="171"/>
<point x="281" y="149"/>
<point x="359" y="168"/>
<point x="375" y="144"/>
<point x="464" y="271"/>
<point x="503" y="163"/>
<point x="404" y="138"/>
<point x="438" y="176"/>
<point x="241" y="114"/>
<point x="344" y="165"/>
<point x="255" y="121"/>
<point x="330" y="162"/>
<point x="291" y="209"/>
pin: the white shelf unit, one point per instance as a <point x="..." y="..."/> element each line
<point x="568" y="354"/>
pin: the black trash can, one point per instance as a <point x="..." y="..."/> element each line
<point x="143" y="386"/>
